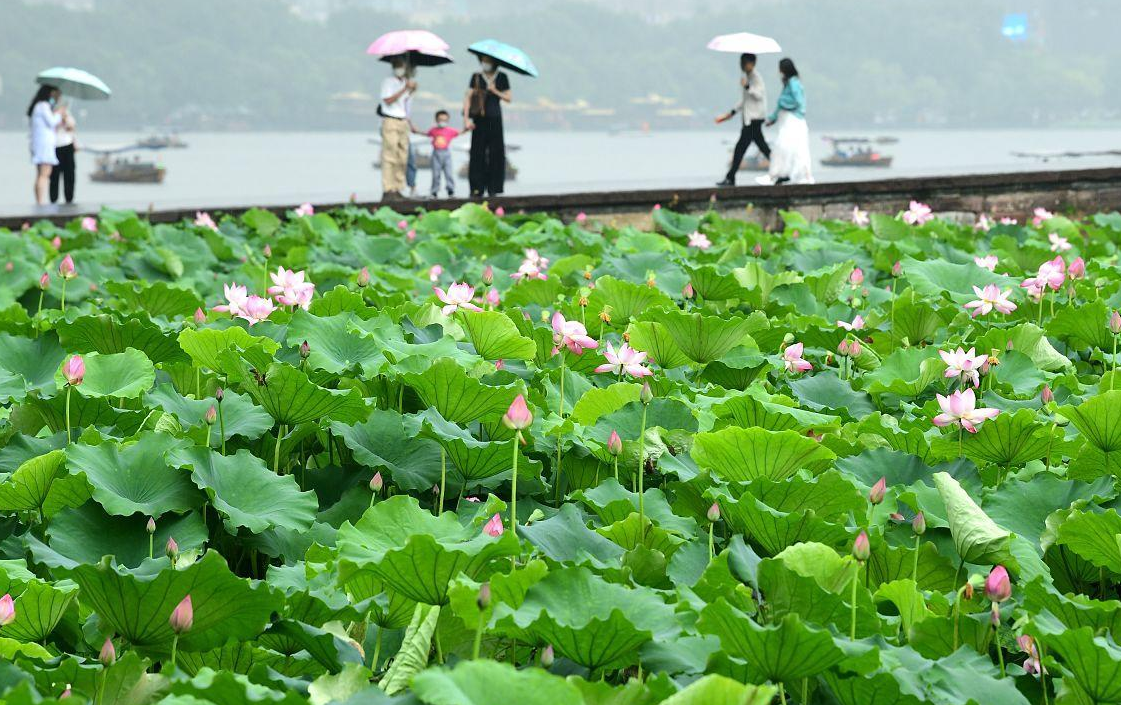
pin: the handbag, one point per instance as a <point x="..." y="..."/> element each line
<point x="477" y="106"/>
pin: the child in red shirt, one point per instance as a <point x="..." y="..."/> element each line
<point x="442" y="136"/>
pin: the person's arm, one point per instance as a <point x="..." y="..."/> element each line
<point x="786" y="101"/>
<point x="389" y="96"/>
<point x="501" y="88"/>
<point x="467" y="124"/>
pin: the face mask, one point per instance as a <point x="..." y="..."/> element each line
<point x="488" y="66"/>
<point x="53" y="101"/>
<point x="399" y="72"/>
<point x="441" y="123"/>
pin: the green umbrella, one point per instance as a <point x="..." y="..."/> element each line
<point x="75" y="83"/>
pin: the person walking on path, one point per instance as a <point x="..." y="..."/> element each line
<point x="482" y="113"/>
<point x="44" y="114"/>
<point x="752" y="108"/>
<point x="442" y="136"/>
<point x="64" y="149"/>
<point x="396" y="93"/>
<point x="790" y="159"/>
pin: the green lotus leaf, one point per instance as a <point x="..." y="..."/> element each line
<point x="474" y="460"/>
<point x="290" y="397"/>
<point x="245" y="492"/>
<point x="459" y="397"/>
<point x="135" y="477"/>
<point x="914" y="320"/>
<point x="1074" y="611"/>
<point x="106" y="335"/>
<point x="384" y="441"/>
<point x="775" y="530"/>
<point x="1024" y="506"/>
<point x="627" y="299"/>
<point x="402" y="355"/>
<point x="1028" y="339"/>
<point x="612" y="502"/>
<point x="87" y="534"/>
<point x="495" y="336"/>
<point x="788" y="592"/>
<point x="11" y="648"/>
<point x="598" y="402"/>
<point x="829" y="494"/>
<point x="128" y="374"/>
<point x="240" y="416"/>
<point x="654" y="339"/>
<point x="753" y="409"/>
<point x="827" y="391"/>
<point x="877" y="689"/>
<point x="412" y="657"/>
<point x="35" y="360"/>
<point x="1098" y="419"/>
<point x="743" y="454"/>
<point x="1092" y="661"/>
<point x="754" y="277"/>
<point x="1019" y="372"/>
<point x="413" y="552"/>
<point x="1095" y="537"/>
<point x="137" y="603"/>
<point x="39" y="608"/>
<point x="711" y="284"/>
<point x="1010" y="440"/>
<point x="565" y="538"/>
<point x="937" y="277"/>
<point x="334" y="345"/>
<point x="206" y="345"/>
<point x="156" y="298"/>
<point x="290" y="637"/>
<point x="42" y="484"/>
<point x="484" y="682"/>
<point x="631" y="533"/>
<point x="1082" y="326"/>
<point x="977" y="537"/>
<point x="209" y="686"/>
<point x="705" y="338"/>
<point x="905" y="372"/>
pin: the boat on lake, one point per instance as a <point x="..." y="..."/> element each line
<point x="162" y="141"/>
<point x="122" y="170"/>
<point x="855" y="151"/>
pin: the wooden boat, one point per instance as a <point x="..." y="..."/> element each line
<point x="855" y="151"/>
<point x="125" y="171"/>
<point x="156" y="141"/>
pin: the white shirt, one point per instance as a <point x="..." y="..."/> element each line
<point x="64" y="133"/>
<point x="753" y="99"/>
<point x="400" y="107"/>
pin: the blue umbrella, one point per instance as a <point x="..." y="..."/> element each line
<point x="75" y="83"/>
<point x="511" y="57"/>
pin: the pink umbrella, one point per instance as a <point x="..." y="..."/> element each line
<point x="745" y="42"/>
<point x="419" y="46"/>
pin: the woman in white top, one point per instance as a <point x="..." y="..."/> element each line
<point x="64" y="149"/>
<point x="44" y="119"/>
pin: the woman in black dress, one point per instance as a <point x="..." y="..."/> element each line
<point x="482" y="113"/>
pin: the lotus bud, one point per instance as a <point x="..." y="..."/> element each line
<point x="1047" y="396"/>
<point x="896" y="269"/>
<point x="45" y="282"/>
<point x="268" y="252"/>
<point x="7" y="610"/>
<point x="856" y="348"/>
<point x="402" y="224"/>
<point x="182" y="617"/>
<point x="74" y="370"/>
<point x="151" y="526"/>
<point x="218" y="394"/>
<point x="200" y="316"/>
<point x="687" y="291"/>
<point x="411" y="235"/>
<point x="657" y="206"/>
<point x="494" y="526"/>
<point x="843" y="349"/>
<point x="499" y="364"/>
<point x="998" y="588"/>
<point x="857" y="277"/>
<point x="647" y="394"/>
<point x="581" y="217"/>
<point x="488" y="275"/>
<point x="1115" y="322"/>
<point x="547" y="656"/>
<point x="66" y="268"/>
<point x="56" y="242"/>
<point x="860" y="547"/>
<point x="363" y="278"/>
<point x="108" y="655"/>
<point x="918" y="524"/>
<point x="66" y="693"/>
<point x="896" y="517"/>
<point x="305" y="350"/>
<point x="493" y="298"/>
<point x="376" y="482"/>
<point x="713" y="513"/>
<point x="757" y="250"/>
<point x="876" y="495"/>
<point x="1077" y="268"/>
<point x="172" y="548"/>
<point x="500" y="211"/>
<point x="210" y="416"/>
<point x="614" y="444"/>
<point x="518" y="416"/>
<point x="483" y="600"/>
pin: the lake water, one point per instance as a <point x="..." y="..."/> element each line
<point x="227" y="169"/>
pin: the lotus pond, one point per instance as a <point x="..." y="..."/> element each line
<point x="466" y="458"/>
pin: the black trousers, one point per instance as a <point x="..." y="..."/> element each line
<point x="487" y="170"/>
<point x="64" y="172"/>
<point x="752" y="132"/>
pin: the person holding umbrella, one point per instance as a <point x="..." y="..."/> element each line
<point x="65" y="146"/>
<point x="396" y="92"/>
<point x="44" y="114"/>
<point x="752" y="107"/>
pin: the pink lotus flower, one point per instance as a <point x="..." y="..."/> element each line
<point x="1077" y="268"/>
<point x="1051" y="273"/>
<point x="45" y="281"/>
<point x="434" y="273"/>
<point x="377" y="482"/>
<point x="500" y="211"/>
<point x="89" y="223"/>
<point x="988" y="262"/>
<point x="74" y="370"/>
<point x="236" y="296"/>
<point x="581" y="217"/>
<point x="304" y="209"/>
<point x="494" y="526"/>
<point x="857" y="277"/>
<point x="897" y="268"/>
<point x="183" y="616"/>
<point x="792" y="358"/>
<point x="493" y="297"/>
<point x="998" y="587"/>
<point x="844" y="349"/>
<point x="290" y="288"/>
<point x="918" y="214"/>
<point x="614" y="443"/>
<point x="857" y="323"/>
<point x="402" y="224"/>
<point x="1008" y="221"/>
<point x="699" y="240"/>
<point x="627" y="360"/>
<point x="1034" y="290"/>
<point x="990" y="298"/>
<point x="518" y="417"/>
<point x="411" y="235"/>
<point x="1027" y="644"/>
<point x="499" y="364"/>
<point x="7" y="610"/>
<point x="1039" y="215"/>
<point x="657" y="206"/>
<point x="859" y="217"/>
<point x="964" y="365"/>
<point x="571" y="334"/>
<point x="532" y="267"/>
<point x="757" y="250"/>
<point x="456" y="297"/>
<point x="983" y="223"/>
<point x="1058" y="243"/>
<point x="66" y="268"/>
<point x="256" y="309"/>
<point x="960" y="409"/>
<point x="203" y="220"/>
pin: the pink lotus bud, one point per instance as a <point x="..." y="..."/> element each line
<point x="581" y="217"/>
<point x="614" y="444"/>
<point x="66" y="693"/>
<point x="876" y="494"/>
<point x="499" y="364"/>
<point x="757" y="250"/>
<point x="494" y="526"/>
<point x="657" y="206"/>
<point x="500" y="211"/>
<point x="856" y="348"/>
<point x="200" y="316"/>
<point x="376" y="482"/>
<point x="151" y="526"/>
<point x="857" y="277"/>
<point x="547" y="656"/>
<point x="45" y="281"/>
<point x="402" y="224"/>
<point x="688" y="292"/>
<point x="713" y="513"/>
<point x="411" y="235"/>
<point x="518" y="416"/>
<point x="483" y="600"/>
<point x="1047" y="396"/>
<point x="493" y="298"/>
<point x="647" y="394"/>
<point x="488" y="275"/>
<point x="305" y="350"/>
<point x="172" y="548"/>
<point x="1077" y="268"/>
<point x="108" y="655"/>
<point x="56" y="242"/>
<point x="1115" y="322"/>
<point x="918" y="524"/>
<point x="182" y="617"/>
<point x="268" y="252"/>
<point x="219" y="394"/>
<point x="7" y="610"/>
<point x="896" y="517"/>
<point x="896" y="269"/>
<point x="66" y="268"/>
<point x="998" y="588"/>
<point x="74" y="370"/>
<point x="860" y="548"/>
<point x="843" y="349"/>
<point x="363" y="278"/>
<point x="353" y="197"/>
<point x="9" y="267"/>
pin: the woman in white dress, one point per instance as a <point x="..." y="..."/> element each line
<point x="44" y="117"/>
<point x="790" y="155"/>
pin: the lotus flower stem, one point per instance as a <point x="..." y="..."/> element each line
<point x="514" y="484"/>
<point x="276" y="450"/>
<point x="891" y="337"/>
<point x="711" y="543"/>
<point x="641" y="468"/>
<point x="64" y="294"/>
<point x="957" y="611"/>
<point x="961" y="452"/>
<point x="377" y="651"/>
<point x="999" y="651"/>
<point x="101" y="678"/>
<point x="151" y="546"/>
<point x="68" y="388"/>
<point x="1042" y="673"/>
<point x="39" y="311"/>
<point x="616" y="468"/>
<point x="174" y="648"/>
<point x="443" y="477"/>
<point x="1052" y="298"/>
<point x="781" y="693"/>
<point x="1114" y="376"/>
<point x="478" y="640"/>
<point x="560" y="436"/>
<point x="915" y="568"/>
<point x="852" y="624"/>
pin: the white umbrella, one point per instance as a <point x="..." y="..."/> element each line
<point x="745" y="43"/>
<point x="75" y="83"/>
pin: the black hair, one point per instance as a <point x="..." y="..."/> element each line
<point x="44" y="93"/>
<point x="787" y="69"/>
<point x="442" y="112"/>
<point x="745" y="57"/>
